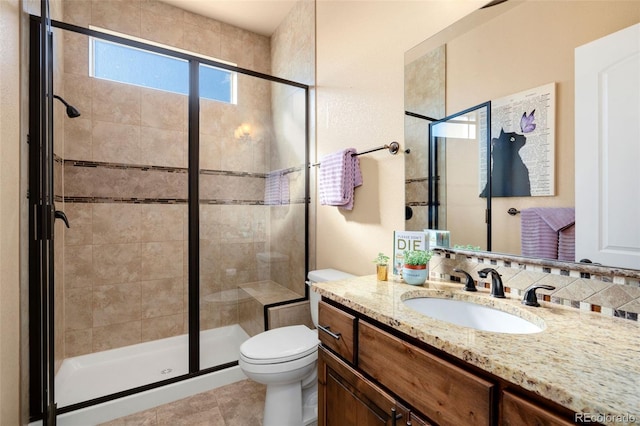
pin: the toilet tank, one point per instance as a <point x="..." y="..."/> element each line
<point x="318" y="276"/>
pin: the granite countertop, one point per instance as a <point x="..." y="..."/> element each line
<point x="587" y="362"/>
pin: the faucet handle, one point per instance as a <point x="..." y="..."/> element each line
<point x="530" y="298"/>
<point x="484" y="273"/>
<point x="470" y="285"/>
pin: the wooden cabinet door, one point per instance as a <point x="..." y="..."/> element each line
<point x="346" y="398"/>
<point x="447" y="394"/>
<point x="517" y="411"/>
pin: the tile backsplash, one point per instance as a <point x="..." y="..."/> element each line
<point x="609" y="291"/>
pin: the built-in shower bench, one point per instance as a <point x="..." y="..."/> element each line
<point x="263" y="293"/>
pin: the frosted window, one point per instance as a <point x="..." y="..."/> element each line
<point x="124" y="64"/>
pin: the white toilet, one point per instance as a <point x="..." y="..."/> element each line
<point x="285" y="359"/>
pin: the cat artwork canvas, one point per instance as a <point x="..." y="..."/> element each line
<point x="509" y="174"/>
<point x="522" y="145"/>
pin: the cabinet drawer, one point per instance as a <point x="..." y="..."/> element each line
<point x="445" y="393"/>
<point x="336" y="329"/>
<point x="517" y="411"/>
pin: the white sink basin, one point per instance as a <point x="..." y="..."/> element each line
<point x="471" y="315"/>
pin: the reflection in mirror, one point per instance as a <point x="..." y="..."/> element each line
<point x="458" y="160"/>
<point x="424" y="103"/>
<point x="483" y="65"/>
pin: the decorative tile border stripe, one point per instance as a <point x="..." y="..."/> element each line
<point x="615" y="292"/>
<point x="233" y="202"/>
<point x="98" y="200"/>
<point x="232" y="173"/>
<point x="290" y="170"/>
<point x="95" y="164"/>
<point x="423" y="179"/>
<point x="144" y="167"/>
<point x="249" y="202"/>
<point x="531" y="263"/>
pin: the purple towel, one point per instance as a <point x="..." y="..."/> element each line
<point x="541" y="229"/>
<point x="338" y="176"/>
<point x="567" y="244"/>
<point x="276" y="188"/>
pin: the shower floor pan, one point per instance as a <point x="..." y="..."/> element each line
<point x="94" y="375"/>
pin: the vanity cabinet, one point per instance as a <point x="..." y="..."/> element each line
<point x="370" y="374"/>
<point x="345" y="396"/>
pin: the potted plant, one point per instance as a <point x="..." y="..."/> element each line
<point x="416" y="270"/>
<point x="382" y="266"/>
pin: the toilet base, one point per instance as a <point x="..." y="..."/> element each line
<point x="290" y="405"/>
<point x="283" y="405"/>
<point x="310" y="406"/>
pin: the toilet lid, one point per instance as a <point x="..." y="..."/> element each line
<point x="280" y="345"/>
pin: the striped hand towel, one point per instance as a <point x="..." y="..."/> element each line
<point x="276" y="191"/>
<point x="541" y="228"/>
<point x="339" y="175"/>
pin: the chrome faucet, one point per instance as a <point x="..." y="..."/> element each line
<point x="497" y="289"/>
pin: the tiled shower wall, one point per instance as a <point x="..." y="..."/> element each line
<point x="294" y="38"/>
<point x="424" y="94"/>
<point x="125" y="181"/>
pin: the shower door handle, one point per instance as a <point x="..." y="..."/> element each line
<point x="59" y="214"/>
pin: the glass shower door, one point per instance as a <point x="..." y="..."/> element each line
<point x="121" y="311"/>
<point x="252" y="187"/>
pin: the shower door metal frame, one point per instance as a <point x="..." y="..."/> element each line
<point x="41" y="336"/>
<point x="41" y="218"/>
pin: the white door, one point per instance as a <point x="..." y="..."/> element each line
<point x="607" y="149"/>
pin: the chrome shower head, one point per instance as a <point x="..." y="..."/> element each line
<point x="72" y="112"/>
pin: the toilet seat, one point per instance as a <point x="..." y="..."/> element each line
<point x="280" y="345"/>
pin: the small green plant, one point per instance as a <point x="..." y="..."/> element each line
<point x="417" y="257"/>
<point x="382" y="259"/>
<point x="466" y="247"/>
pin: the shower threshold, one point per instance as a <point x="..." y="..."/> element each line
<point x="86" y="377"/>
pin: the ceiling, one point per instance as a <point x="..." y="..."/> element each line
<point x="258" y="16"/>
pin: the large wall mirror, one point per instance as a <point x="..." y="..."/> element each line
<point x="493" y="53"/>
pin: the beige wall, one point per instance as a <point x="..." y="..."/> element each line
<point x="360" y="75"/>
<point x="9" y="212"/>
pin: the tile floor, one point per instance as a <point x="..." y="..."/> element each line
<point x="237" y="404"/>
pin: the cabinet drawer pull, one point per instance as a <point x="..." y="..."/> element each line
<point x="326" y="330"/>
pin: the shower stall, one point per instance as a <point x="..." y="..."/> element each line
<point x="184" y="182"/>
